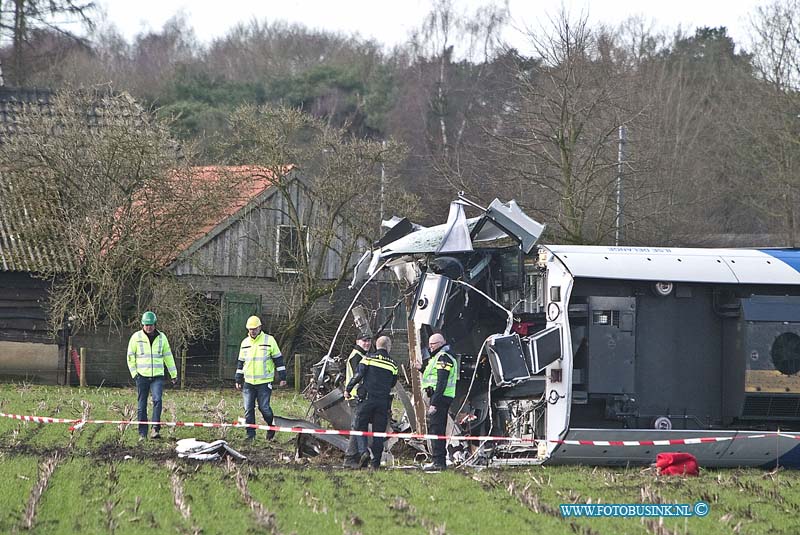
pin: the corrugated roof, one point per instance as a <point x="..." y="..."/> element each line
<point x="17" y="254"/>
<point x="12" y="100"/>
<point x="37" y="255"/>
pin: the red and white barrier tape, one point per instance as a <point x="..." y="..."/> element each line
<point x="78" y="423"/>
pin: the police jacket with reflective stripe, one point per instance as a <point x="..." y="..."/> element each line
<point x="441" y="374"/>
<point x="148" y="359"/>
<point x="259" y="359"/>
<point x="379" y="373"/>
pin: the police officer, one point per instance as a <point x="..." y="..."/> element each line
<point x="259" y="360"/>
<point x="148" y="352"/>
<point x="356" y="446"/>
<point x="439" y="381"/>
<point x="379" y="374"/>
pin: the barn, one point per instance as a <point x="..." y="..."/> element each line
<point x="29" y="350"/>
<point x="248" y="261"/>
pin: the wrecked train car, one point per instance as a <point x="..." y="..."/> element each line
<point x="559" y="344"/>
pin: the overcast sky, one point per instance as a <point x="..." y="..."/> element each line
<point x="389" y="21"/>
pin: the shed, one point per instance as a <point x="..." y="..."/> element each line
<point x="246" y="260"/>
<point x="28" y="349"/>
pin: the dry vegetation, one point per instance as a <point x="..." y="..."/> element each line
<point x="119" y="486"/>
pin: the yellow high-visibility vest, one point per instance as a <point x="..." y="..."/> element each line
<point x="148" y="359"/>
<point x="442" y="361"/>
<point x="350" y="370"/>
<point x="257" y="354"/>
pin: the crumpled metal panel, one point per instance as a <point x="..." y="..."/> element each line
<point x="205" y="451"/>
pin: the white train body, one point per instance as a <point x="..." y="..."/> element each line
<point x="600" y="354"/>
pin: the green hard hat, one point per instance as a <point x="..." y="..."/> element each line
<point x="149" y="318"/>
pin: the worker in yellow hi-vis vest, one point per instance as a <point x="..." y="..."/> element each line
<point x="148" y="354"/>
<point x="439" y="382"/>
<point x="356" y="446"/>
<point x="260" y="360"/>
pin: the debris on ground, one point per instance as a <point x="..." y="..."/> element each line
<point x="190" y="448"/>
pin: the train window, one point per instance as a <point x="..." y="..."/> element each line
<point x="511" y="265"/>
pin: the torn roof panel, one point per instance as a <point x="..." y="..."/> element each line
<point x="501" y="220"/>
<point x="456" y="238"/>
<point x="422" y="241"/>
<point x="510" y="217"/>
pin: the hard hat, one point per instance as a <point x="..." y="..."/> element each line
<point x="253" y="322"/>
<point x="149" y="318"/>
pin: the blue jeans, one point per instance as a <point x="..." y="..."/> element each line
<point x="251" y="393"/>
<point x="355" y="445"/>
<point x="153" y="386"/>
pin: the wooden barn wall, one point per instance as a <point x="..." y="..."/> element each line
<point x="23" y="308"/>
<point x="27" y="349"/>
<point x="247" y="247"/>
<point x="275" y="295"/>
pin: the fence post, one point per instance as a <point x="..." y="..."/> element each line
<point x="298" y="372"/>
<point x="83" y="367"/>
<point x="183" y="367"/>
<point x="69" y="359"/>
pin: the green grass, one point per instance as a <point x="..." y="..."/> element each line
<point x="120" y="404"/>
<point x="753" y="500"/>
<point x="107" y="482"/>
<point x="18" y="473"/>
<point x="217" y="505"/>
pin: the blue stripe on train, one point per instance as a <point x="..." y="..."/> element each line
<point x="787" y="256"/>
<point x="790" y="459"/>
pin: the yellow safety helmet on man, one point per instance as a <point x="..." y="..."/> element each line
<point x="253" y="322"/>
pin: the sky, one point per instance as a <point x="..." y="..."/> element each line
<point x="390" y="21"/>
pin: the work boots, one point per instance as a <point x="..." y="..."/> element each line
<point x="434" y="467"/>
<point x="352" y="463"/>
<point x="271" y="432"/>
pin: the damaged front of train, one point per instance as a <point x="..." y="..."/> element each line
<point x="499" y="300"/>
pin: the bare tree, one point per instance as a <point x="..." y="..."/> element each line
<point x="341" y="175"/>
<point x="99" y="177"/>
<point x="559" y="133"/>
<point x="19" y="18"/>
<point x="773" y="126"/>
<point x="447" y="83"/>
<point x="775" y="43"/>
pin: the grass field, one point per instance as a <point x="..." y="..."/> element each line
<point x="100" y="480"/>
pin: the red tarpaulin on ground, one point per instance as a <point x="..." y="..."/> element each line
<point x="677" y="463"/>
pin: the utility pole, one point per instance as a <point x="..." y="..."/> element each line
<point x="620" y="160"/>
<point x="383" y="178"/>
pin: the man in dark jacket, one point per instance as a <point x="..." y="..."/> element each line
<point x="356" y="446"/>
<point x="439" y="381"/>
<point x="379" y="374"/>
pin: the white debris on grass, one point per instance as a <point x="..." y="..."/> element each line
<point x="191" y="448"/>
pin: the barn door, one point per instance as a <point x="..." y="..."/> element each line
<point x="236" y="308"/>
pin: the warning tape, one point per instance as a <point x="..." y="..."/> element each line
<point x="79" y="423"/>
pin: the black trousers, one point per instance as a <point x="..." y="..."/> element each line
<point x="437" y="425"/>
<point x="374" y="411"/>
